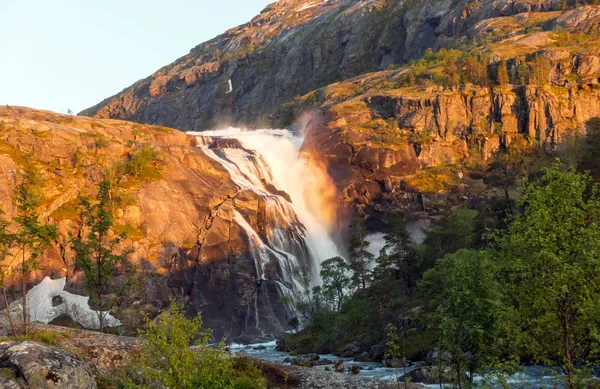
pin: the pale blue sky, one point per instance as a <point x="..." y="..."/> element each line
<point x="71" y="54"/>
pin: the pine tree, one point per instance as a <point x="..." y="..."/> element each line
<point x="97" y="255"/>
<point x="32" y="236"/>
<point x="360" y="257"/>
<point x="337" y="281"/>
<point x="6" y="241"/>
<point x="502" y="74"/>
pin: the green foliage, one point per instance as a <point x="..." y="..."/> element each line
<point x="591" y="158"/>
<point x="67" y="211"/>
<point x="502" y="74"/>
<point x="96" y="252"/>
<point x="450" y="67"/>
<point x="552" y="270"/>
<point x="467" y="319"/>
<point x="359" y="255"/>
<point x="31" y="236"/>
<point x="144" y="164"/>
<point x="454" y="232"/>
<point x="129" y="231"/>
<point x="500" y="174"/>
<point x="167" y="360"/>
<point x="337" y="279"/>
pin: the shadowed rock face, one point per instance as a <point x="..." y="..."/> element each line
<point x="294" y="47"/>
<point x="181" y="222"/>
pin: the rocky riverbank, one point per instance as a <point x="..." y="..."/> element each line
<point x="59" y="357"/>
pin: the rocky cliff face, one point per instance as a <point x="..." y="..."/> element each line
<point x="379" y="152"/>
<point x="186" y="219"/>
<point x="294" y="47"/>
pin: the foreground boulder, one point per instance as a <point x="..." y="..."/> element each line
<point x="32" y="365"/>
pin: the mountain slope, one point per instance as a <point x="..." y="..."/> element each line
<point x="185" y="217"/>
<point x="294" y="47"/>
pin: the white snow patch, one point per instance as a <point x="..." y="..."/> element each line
<point x="39" y="305"/>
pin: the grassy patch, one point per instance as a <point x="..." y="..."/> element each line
<point x="354" y="106"/>
<point x="434" y="179"/>
<point x="132" y="232"/>
<point x="41" y="336"/>
<point x="67" y="211"/>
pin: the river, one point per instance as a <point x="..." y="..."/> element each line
<point x="532" y="377"/>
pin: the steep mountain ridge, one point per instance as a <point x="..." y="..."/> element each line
<point x="294" y="47"/>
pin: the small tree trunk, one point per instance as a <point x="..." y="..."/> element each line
<point x="567" y="351"/>
<point x="24" y="291"/>
<point x="12" y="326"/>
<point x="364" y="273"/>
<point x="101" y="317"/>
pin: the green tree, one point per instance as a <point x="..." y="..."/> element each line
<point x="6" y="241"/>
<point x="96" y="253"/>
<point x="539" y="68"/>
<point x="166" y="359"/>
<point x="500" y="174"/>
<point x="551" y="260"/>
<point x="359" y="255"/>
<point x="454" y="232"/>
<point x="144" y="164"/>
<point x="397" y="265"/>
<point x="32" y="237"/>
<point x="336" y="275"/>
<point x="468" y="315"/>
<point x="502" y="74"/>
<point x="304" y="305"/>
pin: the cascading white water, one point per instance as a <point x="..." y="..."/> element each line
<point x="270" y="161"/>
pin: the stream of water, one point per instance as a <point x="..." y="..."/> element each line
<point x="532" y="377"/>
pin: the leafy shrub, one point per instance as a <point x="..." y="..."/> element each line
<point x="167" y="360"/>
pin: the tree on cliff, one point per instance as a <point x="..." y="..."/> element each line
<point x="502" y="74"/>
<point x="550" y="257"/>
<point x="6" y="241"/>
<point x="96" y="253"/>
<point x="31" y="237"/>
<point x="360" y="257"/>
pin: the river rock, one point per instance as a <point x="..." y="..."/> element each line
<point x="307" y="358"/>
<point x="352" y="350"/>
<point x="396" y="362"/>
<point x="377" y="352"/>
<point x="38" y="366"/>
<point x="282" y="346"/>
<point x="430" y="375"/>
<point x="363" y="357"/>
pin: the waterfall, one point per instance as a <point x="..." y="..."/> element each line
<point x="297" y="214"/>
